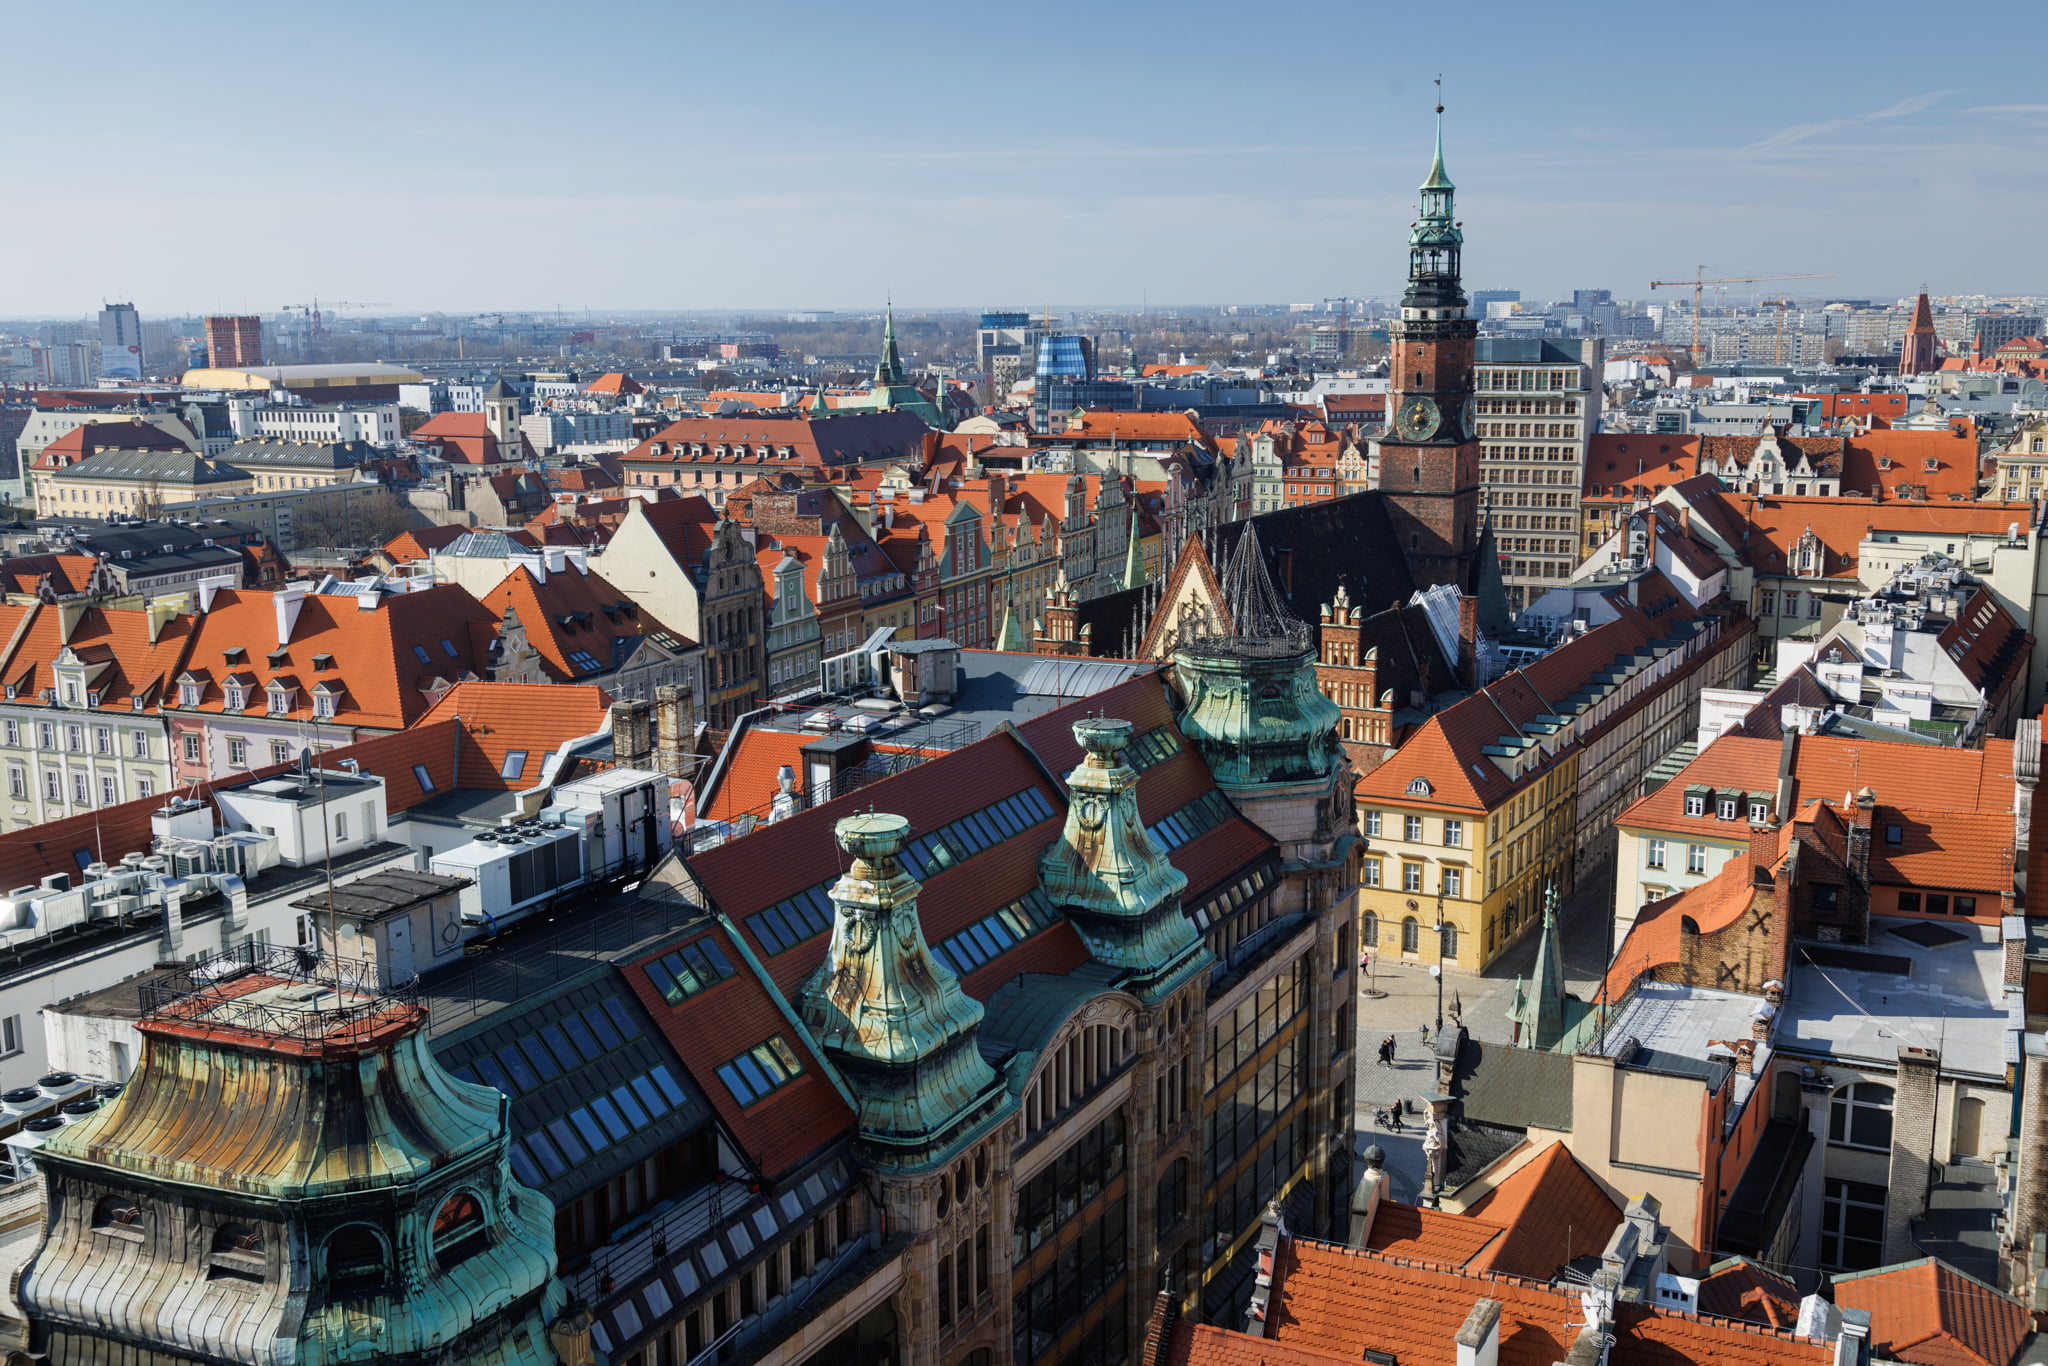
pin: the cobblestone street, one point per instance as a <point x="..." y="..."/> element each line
<point x="1409" y="1002"/>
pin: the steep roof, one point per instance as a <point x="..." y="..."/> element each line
<point x="1429" y="1235"/>
<point x="1737" y="1288"/>
<point x="1776" y="524"/>
<point x="421" y="542"/>
<point x="580" y="624"/>
<point x="384" y="660"/>
<point x="1931" y="1314"/>
<point x="1552" y="1210"/>
<point x="85" y="441"/>
<point x="614" y="383"/>
<point x="123" y="664"/>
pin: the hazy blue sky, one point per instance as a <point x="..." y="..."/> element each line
<point x="440" y="155"/>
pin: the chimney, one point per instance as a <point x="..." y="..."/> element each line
<point x="1857" y="816"/>
<point x="160" y="613"/>
<point x="287" y="602"/>
<point x="1479" y="1339"/>
<point x="1788" y="782"/>
<point x="671" y="728"/>
<point x="1365" y="1199"/>
<point x="632" y="739"/>
<point x="1914" y="1106"/>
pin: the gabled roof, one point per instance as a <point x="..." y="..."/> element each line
<point x="1931" y="1314"/>
<point x="581" y="626"/>
<point x="421" y="542"/>
<point x="88" y="440"/>
<point x="614" y="383"/>
<point x="1553" y="1212"/>
<point x="117" y="638"/>
<point x="497" y="720"/>
<point x="1737" y="1288"/>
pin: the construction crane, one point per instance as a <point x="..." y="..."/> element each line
<point x="1699" y="282"/>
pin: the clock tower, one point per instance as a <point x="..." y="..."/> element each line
<point x="1429" y="458"/>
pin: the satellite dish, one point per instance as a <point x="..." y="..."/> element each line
<point x="347" y="931"/>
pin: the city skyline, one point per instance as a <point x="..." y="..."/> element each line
<point x="1127" y="155"/>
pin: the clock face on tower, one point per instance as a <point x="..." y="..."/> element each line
<point x="1418" y="419"/>
<point x="1468" y="423"/>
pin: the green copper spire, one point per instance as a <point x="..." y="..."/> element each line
<point x="1437" y="179"/>
<point x="1108" y="877"/>
<point x="1435" y="242"/>
<point x="1134" y="556"/>
<point x="1011" y="636"/>
<point x="892" y="1018"/>
<point x="1542" y="1017"/>
<point x="889" y="369"/>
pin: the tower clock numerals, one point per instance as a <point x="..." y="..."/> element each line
<point x="1418" y="419"/>
<point x="1468" y="419"/>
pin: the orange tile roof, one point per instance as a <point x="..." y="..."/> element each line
<point x="91" y="438"/>
<point x="65" y="575"/>
<point x="421" y="542"/>
<point x="1776" y="524"/>
<point x="1953" y="453"/>
<point x="1934" y="1315"/>
<point x="1552" y="1211"/>
<point x="1100" y="425"/>
<point x="1203" y="1344"/>
<point x="535" y="719"/>
<point x="576" y="611"/>
<point x="1656" y="938"/>
<point x="1428" y="1235"/>
<point x="1340" y="1301"/>
<point x="614" y="383"/>
<point x="116" y="637"/>
<point x="1882" y="405"/>
<point x="374" y="655"/>
<point x="1738" y="1288"/>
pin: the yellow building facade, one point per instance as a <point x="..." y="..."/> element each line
<point x="1479" y="871"/>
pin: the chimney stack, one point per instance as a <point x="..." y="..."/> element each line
<point x="1479" y="1338"/>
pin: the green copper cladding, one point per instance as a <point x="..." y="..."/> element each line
<point x="891" y="1018"/>
<point x="1257" y="718"/>
<point x="1108" y="878"/>
<point x="1435" y="241"/>
<point x="1134" y="556"/>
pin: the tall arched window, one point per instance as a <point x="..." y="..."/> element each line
<point x="1411" y="935"/>
<point x="1860" y="1116"/>
<point x="1370" y="936"/>
<point x="1449" y="935"/>
<point x="458" y="1228"/>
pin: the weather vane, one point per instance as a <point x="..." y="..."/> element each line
<point x="1439" y="94"/>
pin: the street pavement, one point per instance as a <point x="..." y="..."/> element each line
<point x="1409" y="1002"/>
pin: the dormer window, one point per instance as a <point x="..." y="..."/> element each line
<point x="1730" y="808"/>
<point x="70" y="692"/>
<point x="1696" y="805"/>
<point x="280" y="700"/>
<point x="238" y="699"/>
<point x="188" y="694"/>
<point x="1759" y="812"/>
<point x="322" y="663"/>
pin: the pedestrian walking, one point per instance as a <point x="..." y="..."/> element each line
<point x="1425" y="1036"/>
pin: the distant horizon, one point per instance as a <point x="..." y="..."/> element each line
<point x="1140" y="150"/>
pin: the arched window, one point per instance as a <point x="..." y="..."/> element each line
<point x="1860" y="1116"/>
<point x="1411" y="935"/>
<point x="1449" y="936"/>
<point x="355" y="1260"/>
<point x="458" y="1228"/>
<point x="1369" y="937"/>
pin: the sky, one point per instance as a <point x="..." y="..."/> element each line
<point x="459" y="156"/>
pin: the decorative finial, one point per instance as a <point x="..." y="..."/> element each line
<point x="1439" y="96"/>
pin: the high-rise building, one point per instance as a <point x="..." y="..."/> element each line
<point x="1429" y="460"/>
<point x="1539" y="399"/>
<point x="234" y="341"/>
<point x="1996" y="329"/>
<point x="121" y="342"/>
<point x="1006" y="348"/>
<point x="1063" y="361"/>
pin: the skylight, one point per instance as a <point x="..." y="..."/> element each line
<point x="764" y="1068"/>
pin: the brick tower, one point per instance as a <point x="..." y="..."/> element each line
<point x="1920" y="348"/>
<point x="1429" y="459"/>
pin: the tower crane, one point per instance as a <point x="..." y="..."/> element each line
<point x="1699" y="281"/>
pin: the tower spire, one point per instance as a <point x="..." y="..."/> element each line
<point x="1437" y="179"/>
<point x="1542" y="1015"/>
<point x="889" y="369"/>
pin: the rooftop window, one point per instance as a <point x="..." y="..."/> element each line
<point x="689" y="970"/>
<point x="996" y="934"/>
<point x="514" y="765"/>
<point x="1197" y="817"/>
<point x="762" y="1069"/>
<point x="420" y="653"/>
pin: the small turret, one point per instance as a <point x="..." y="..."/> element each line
<point x="1110" y="879"/>
<point x="890" y="1017"/>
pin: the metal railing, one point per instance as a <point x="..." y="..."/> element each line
<point x="349" y="1002"/>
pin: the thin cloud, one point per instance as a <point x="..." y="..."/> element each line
<point x="2007" y="109"/>
<point x="1801" y="132"/>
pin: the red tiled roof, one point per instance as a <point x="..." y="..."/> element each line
<point x="421" y="542"/>
<point x="1738" y="1288"/>
<point x="1203" y="1344"/>
<point x="1341" y="1300"/>
<point x="1428" y="1235"/>
<point x="1552" y="1211"/>
<point x="1933" y="1315"/>
<point x="374" y="654"/>
<point x="135" y="666"/>
<point x="533" y="718"/>
<point x="93" y="437"/>
<point x="614" y="383"/>
<point x="712" y="1028"/>
<point x="1886" y="405"/>
<point x="574" y="611"/>
<point x="1776" y="524"/>
<point x="65" y="575"/>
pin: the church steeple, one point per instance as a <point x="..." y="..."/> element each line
<point x="1540" y="1018"/>
<point x="1436" y="243"/>
<point x="890" y="1016"/>
<point x="889" y="369"/>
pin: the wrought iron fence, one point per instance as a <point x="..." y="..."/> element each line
<point x="346" y="1000"/>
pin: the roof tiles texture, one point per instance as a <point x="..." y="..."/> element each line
<point x="1933" y="1315"/>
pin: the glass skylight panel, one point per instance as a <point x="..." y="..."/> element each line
<point x="666" y="1084"/>
<point x="558" y="1043"/>
<point x="760" y="1070"/>
<point x="620" y="1016"/>
<point x="636" y="1115"/>
<point x="568" y="1140"/>
<point x="591" y="1132"/>
<point x="689" y="970"/>
<point x="608" y="1115"/>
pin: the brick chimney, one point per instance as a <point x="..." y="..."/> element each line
<point x="632" y="734"/>
<point x="1914" y="1102"/>
<point x="1479" y="1338"/>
